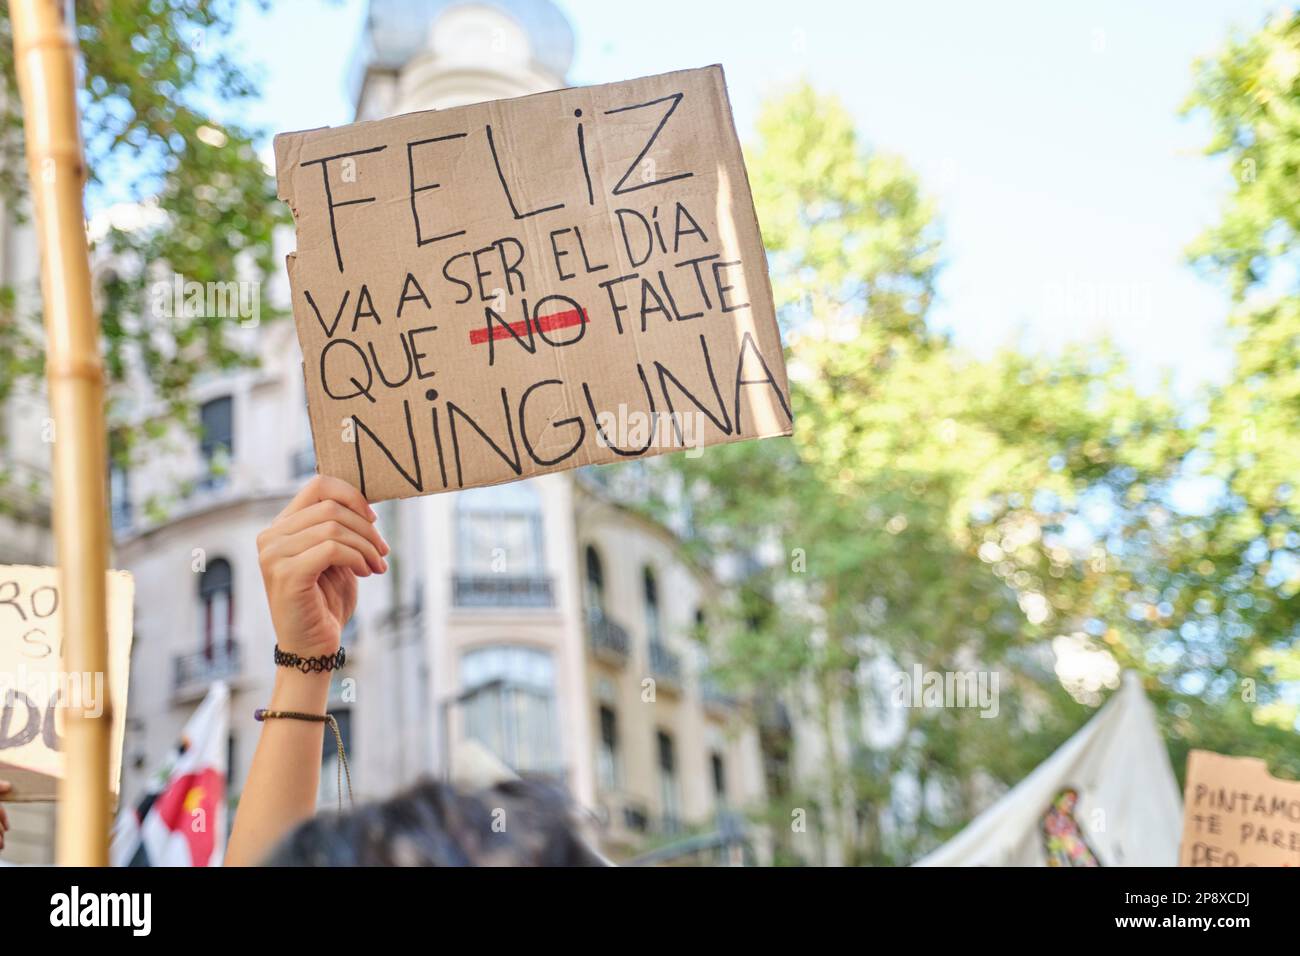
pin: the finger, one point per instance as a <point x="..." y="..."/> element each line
<point x="328" y="554"/>
<point x="4" y="819"/>
<point x="295" y="544"/>
<point x="325" y="511"/>
<point x="5" y="786"/>
<point x="326" y="488"/>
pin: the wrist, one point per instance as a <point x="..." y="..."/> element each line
<point x="294" y="641"/>
<point x="295" y="690"/>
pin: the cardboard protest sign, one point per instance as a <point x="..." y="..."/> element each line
<point x="1235" y="813"/>
<point x="35" y="691"/>
<point x="517" y="287"/>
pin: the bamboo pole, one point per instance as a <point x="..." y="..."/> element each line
<point x="45" y="55"/>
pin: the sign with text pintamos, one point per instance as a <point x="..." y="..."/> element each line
<point x="1236" y="813"/>
<point x="517" y="287"/>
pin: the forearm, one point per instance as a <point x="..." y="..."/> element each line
<point x="284" y="779"/>
<point x="311" y="557"/>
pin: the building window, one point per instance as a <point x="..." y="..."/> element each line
<point x="216" y="607"/>
<point x="216" y="441"/>
<point x="607" y="763"/>
<point x="119" y="492"/>
<point x="509" y="706"/>
<point x="634" y="818"/>
<point x="719" y="767"/>
<point x="595" y="583"/>
<point x="500" y="555"/>
<point x="119" y="482"/>
<point x="653" y="627"/>
<point x="776" y="743"/>
<point x="669" y="797"/>
<point x="500" y="530"/>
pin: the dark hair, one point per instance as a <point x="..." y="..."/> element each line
<point x="514" y="823"/>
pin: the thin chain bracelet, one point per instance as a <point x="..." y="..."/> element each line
<point x="311" y="665"/>
<point x="262" y="714"/>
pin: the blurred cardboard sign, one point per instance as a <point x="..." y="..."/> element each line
<point x="36" y="693"/>
<point x="523" y="286"/>
<point x="1235" y="813"/>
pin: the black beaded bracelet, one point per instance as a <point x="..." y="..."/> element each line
<point x="311" y="665"/>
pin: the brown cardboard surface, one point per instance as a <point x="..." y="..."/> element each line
<point x="34" y="690"/>
<point x="523" y="286"/>
<point x="1235" y="813"/>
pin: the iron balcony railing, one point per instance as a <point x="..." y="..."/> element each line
<point x="665" y="665"/>
<point x="503" y="590"/>
<point x="609" y="640"/>
<point x="193" y="672"/>
<point x="712" y="694"/>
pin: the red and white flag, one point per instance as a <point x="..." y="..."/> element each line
<point x="182" y="819"/>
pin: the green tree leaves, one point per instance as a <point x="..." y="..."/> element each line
<point x="154" y="72"/>
<point x="1021" y="514"/>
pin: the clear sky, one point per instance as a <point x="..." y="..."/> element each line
<point x="1048" y="132"/>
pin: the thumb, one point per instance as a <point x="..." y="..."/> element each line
<point x="5" y="786"/>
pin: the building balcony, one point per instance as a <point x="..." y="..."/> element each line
<point x="610" y="642"/>
<point x="193" y="674"/>
<point x="203" y="486"/>
<point x="665" y="665"/>
<point x="215" y="472"/>
<point x="503" y="590"/>
<point x="714" y="697"/>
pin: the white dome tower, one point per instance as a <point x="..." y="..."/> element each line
<point x="434" y="54"/>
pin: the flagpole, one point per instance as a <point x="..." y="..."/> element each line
<point x="45" y="56"/>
